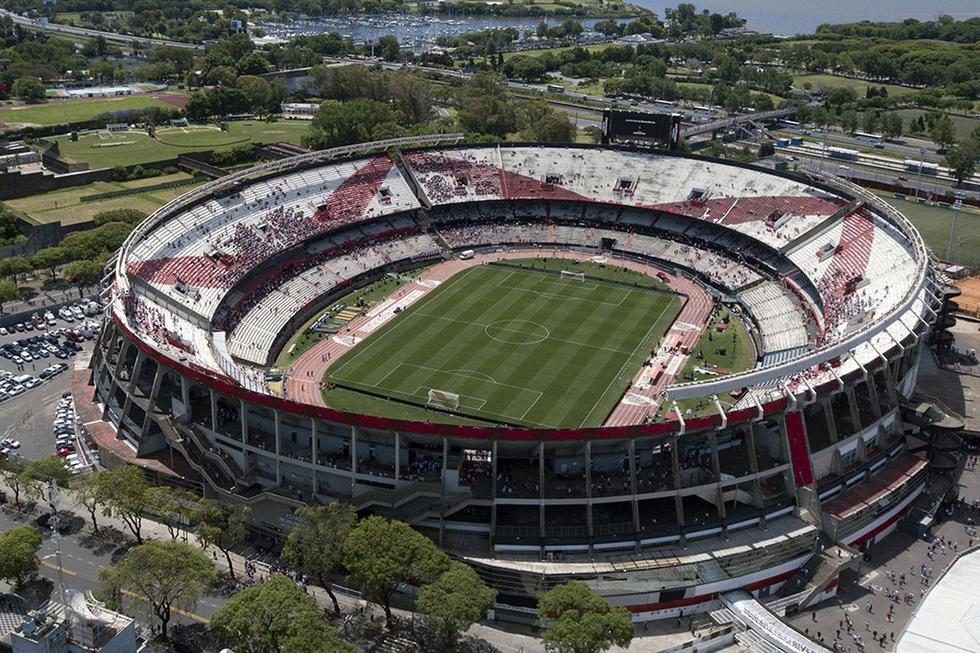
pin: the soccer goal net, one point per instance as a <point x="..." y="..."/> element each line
<point x="567" y="274"/>
<point x="443" y="399"/>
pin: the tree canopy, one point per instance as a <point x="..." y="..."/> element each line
<point x="381" y="554"/>
<point x="454" y="602"/>
<point x="275" y="617"/>
<point x="18" y="554"/>
<point x="164" y="575"/>
<point x="315" y="544"/>
<point x="576" y="620"/>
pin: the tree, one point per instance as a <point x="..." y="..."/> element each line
<point x="39" y="474"/>
<point x="342" y="123"/>
<point x="849" y="122"/>
<point x="411" y="97"/>
<point x="540" y="123"/>
<point x="962" y="161"/>
<point x="388" y="47"/>
<point x="164" y="575"/>
<point x="258" y="93"/>
<point x="315" y="544"/>
<point x="175" y="507"/>
<point x="381" y="554"/>
<point x="30" y="88"/>
<point x="485" y="107"/>
<point x="252" y="63"/>
<point x="891" y="125"/>
<point x="11" y="471"/>
<point x="83" y="273"/>
<point x="129" y="216"/>
<point x="8" y="292"/>
<point x="87" y="490"/>
<point x="275" y="616"/>
<point x="49" y="259"/>
<point x="14" y="267"/>
<point x="18" y="554"/>
<point x="942" y="132"/>
<point x="222" y="526"/>
<point x="576" y="620"/>
<point x="454" y="602"/>
<point x="127" y="496"/>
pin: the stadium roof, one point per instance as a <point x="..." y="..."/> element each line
<point x="949" y="617"/>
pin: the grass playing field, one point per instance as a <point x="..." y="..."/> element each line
<point x="56" y="112"/>
<point x="518" y="346"/>
<point x="66" y="206"/>
<point x="104" y="150"/>
<point x="934" y="223"/>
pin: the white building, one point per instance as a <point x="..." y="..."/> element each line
<point x="84" y="626"/>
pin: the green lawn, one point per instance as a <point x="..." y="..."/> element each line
<point x="103" y="150"/>
<point x="730" y="350"/>
<point x="963" y="126"/>
<point x="56" y="112"/>
<point x="65" y="205"/>
<point x="518" y="346"/>
<point x="859" y="85"/>
<point x="934" y="223"/>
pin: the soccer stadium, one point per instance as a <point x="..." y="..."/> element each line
<point x="670" y="376"/>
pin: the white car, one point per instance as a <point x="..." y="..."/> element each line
<point x="10" y="443"/>
<point x="33" y="383"/>
<point x="15" y="390"/>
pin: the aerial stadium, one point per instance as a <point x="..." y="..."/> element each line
<point x="666" y="375"/>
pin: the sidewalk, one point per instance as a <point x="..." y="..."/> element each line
<point x="508" y="638"/>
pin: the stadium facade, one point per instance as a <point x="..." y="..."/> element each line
<point x="659" y="510"/>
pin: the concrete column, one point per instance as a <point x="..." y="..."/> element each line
<point x="398" y="458"/>
<point x="243" y="416"/>
<point x="275" y="421"/>
<point x="493" y="492"/>
<point x="753" y="465"/>
<point x="634" y="487"/>
<point x="852" y="407"/>
<point x="314" y="453"/>
<point x="213" y="401"/>
<point x="676" y="465"/>
<point x="541" y="487"/>
<point x="353" y="451"/>
<point x="828" y="415"/>
<point x="873" y="394"/>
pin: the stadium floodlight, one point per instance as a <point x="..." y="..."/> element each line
<point x="565" y="274"/>
<point x="443" y="399"/>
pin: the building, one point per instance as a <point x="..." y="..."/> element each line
<point x="84" y="626"/>
<point x="686" y="490"/>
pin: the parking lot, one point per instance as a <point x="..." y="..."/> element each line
<point x="35" y="373"/>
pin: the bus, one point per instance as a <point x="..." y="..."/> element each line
<point x="874" y="139"/>
<point x="788" y="123"/>
<point x="555" y="88"/>
<point x="664" y="104"/>
<point x="704" y="111"/>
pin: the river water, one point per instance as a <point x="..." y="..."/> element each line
<point x="798" y="17"/>
<point x="777" y="16"/>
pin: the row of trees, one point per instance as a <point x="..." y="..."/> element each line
<point x="378" y="555"/>
<point x="79" y="257"/>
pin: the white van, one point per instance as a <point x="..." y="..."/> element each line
<point x="467" y="255"/>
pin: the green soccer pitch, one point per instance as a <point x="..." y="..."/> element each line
<point x="518" y="346"/>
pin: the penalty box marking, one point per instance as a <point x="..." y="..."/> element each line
<point x="543" y="279"/>
<point x="469" y="374"/>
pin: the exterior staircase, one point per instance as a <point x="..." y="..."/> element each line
<point x="815" y="575"/>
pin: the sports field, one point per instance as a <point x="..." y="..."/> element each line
<point x="56" y="112"/>
<point x="934" y="223"/>
<point x="65" y="205"/>
<point x="518" y="346"/>
<point x="104" y="150"/>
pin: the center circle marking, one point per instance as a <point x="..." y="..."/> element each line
<point x="517" y="332"/>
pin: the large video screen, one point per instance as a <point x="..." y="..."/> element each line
<point x="638" y="124"/>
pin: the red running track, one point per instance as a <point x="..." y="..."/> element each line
<point x="303" y="381"/>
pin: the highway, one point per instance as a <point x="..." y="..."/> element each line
<point x="69" y="30"/>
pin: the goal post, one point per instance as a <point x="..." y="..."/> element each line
<point x="443" y="399"/>
<point x="568" y="274"/>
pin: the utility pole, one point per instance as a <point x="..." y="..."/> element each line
<point x="918" y="185"/>
<point x="53" y="502"/>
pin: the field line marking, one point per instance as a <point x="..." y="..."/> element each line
<point x="628" y="358"/>
<point x="477" y="324"/>
<point x="543" y="293"/>
<point x="393" y="326"/>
